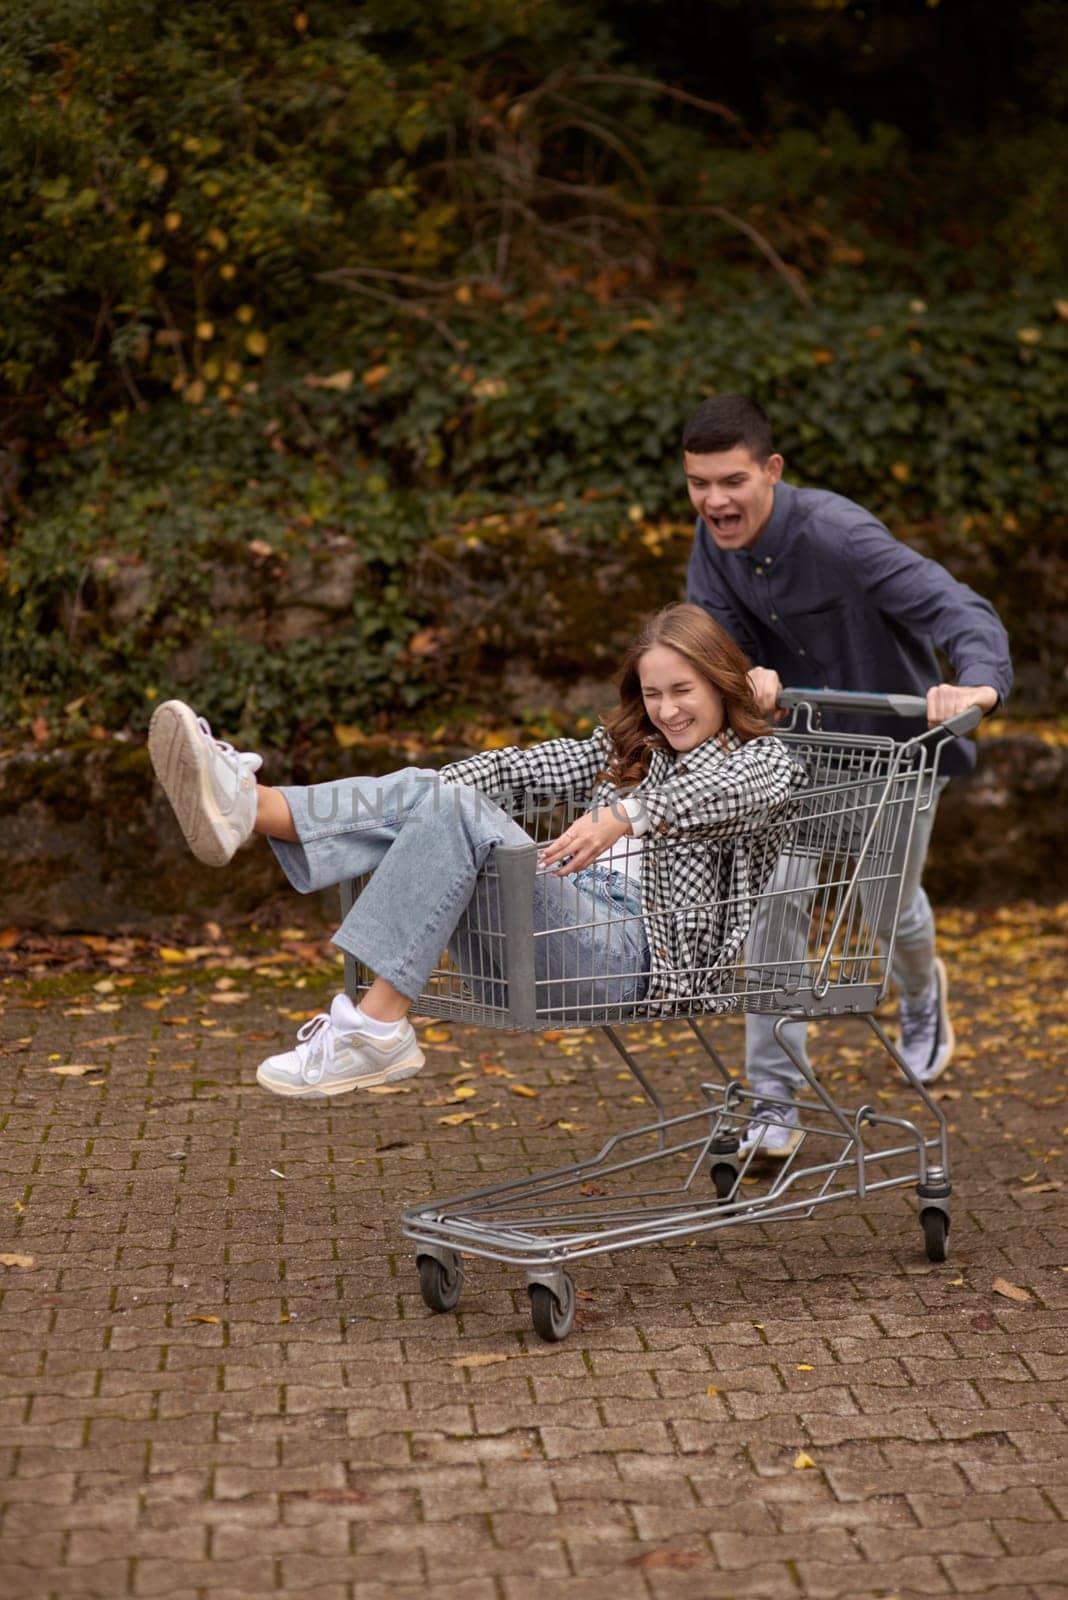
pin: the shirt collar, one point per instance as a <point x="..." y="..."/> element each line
<point x="665" y="762"/>
<point x="774" y="535"/>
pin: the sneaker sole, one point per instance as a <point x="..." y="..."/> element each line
<point x="764" y="1154"/>
<point x="174" y="741"/>
<point x="367" y="1080"/>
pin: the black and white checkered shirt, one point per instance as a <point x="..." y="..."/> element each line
<point x="713" y="824"/>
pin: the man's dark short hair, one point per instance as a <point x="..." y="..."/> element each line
<point x="725" y="421"/>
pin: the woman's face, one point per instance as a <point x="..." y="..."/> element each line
<point x="680" y="703"/>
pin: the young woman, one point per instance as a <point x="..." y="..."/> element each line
<point x="643" y="901"/>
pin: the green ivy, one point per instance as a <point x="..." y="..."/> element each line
<point x="542" y="455"/>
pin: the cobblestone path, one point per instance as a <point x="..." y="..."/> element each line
<point x="221" y="1382"/>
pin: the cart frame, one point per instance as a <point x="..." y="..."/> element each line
<point x="846" y="844"/>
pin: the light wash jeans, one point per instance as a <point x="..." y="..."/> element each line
<point x="425" y="842"/>
<point x="782" y="925"/>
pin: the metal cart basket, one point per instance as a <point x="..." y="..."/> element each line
<point x="821" y="908"/>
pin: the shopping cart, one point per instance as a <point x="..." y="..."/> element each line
<point x="823" y="908"/>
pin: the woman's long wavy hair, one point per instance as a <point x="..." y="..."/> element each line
<point x="712" y="652"/>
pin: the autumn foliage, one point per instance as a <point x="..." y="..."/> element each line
<point x="434" y="285"/>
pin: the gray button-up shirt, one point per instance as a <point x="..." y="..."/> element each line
<point x="830" y="599"/>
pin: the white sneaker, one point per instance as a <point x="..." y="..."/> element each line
<point x="209" y="783"/>
<point x="334" y="1056"/>
<point x="773" y="1131"/>
<point x="925" y="1038"/>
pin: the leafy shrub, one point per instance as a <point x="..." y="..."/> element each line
<point x="437" y="283"/>
<point x="489" y="493"/>
<point x="191" y="192"/>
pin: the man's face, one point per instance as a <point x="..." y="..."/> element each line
<point x="733" y="492"/>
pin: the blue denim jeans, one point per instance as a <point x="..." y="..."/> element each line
<point x="425" y="844"/>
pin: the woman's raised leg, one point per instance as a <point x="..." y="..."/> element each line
<point x="425" y="843"/>
<point x="273" y="816"/>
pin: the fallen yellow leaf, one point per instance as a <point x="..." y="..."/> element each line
<point x="464" y="1091"/>
<point x="522" y="1089"/>
<point x="488" y="1359"/>
<point x="202" y="1319"/>
<point x="1010" y="1291"/>
<point x="801" y="1460"/>
<point x="167" y="952"/>
<point x="456" y="1119"/>
<point x="711" y="1390"/>
<point x="437" y="1033"/>
<point x="77" y="1069"/>
<point x="679" y="1560"/>
<point x="16" y="1261"/>
<point x="805" y="1366"/>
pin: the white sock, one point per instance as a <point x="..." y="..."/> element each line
<point x="371" y="1025"/>
<point x="348" y="1018"/>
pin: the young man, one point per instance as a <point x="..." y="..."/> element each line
<point x="819" y="593"/>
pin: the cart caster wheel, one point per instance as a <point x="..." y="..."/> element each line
<point x="553" y="1319"/>
<point x="935" y="1234"/>
<point x="724" y="1177"/>
<point x="440" y="1285"/>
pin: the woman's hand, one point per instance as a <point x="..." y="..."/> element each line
<point x="585" y="839"/>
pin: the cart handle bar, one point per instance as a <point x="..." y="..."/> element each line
<point x="885" y="705"/>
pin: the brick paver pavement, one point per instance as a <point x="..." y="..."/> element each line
<point x="221" y="1380"/>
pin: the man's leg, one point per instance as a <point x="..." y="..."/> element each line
<point x="914" y="948"/>
<point x="926" y="1039"/>
<point x="775" y="953"/>
<point x="781" y="928"/>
